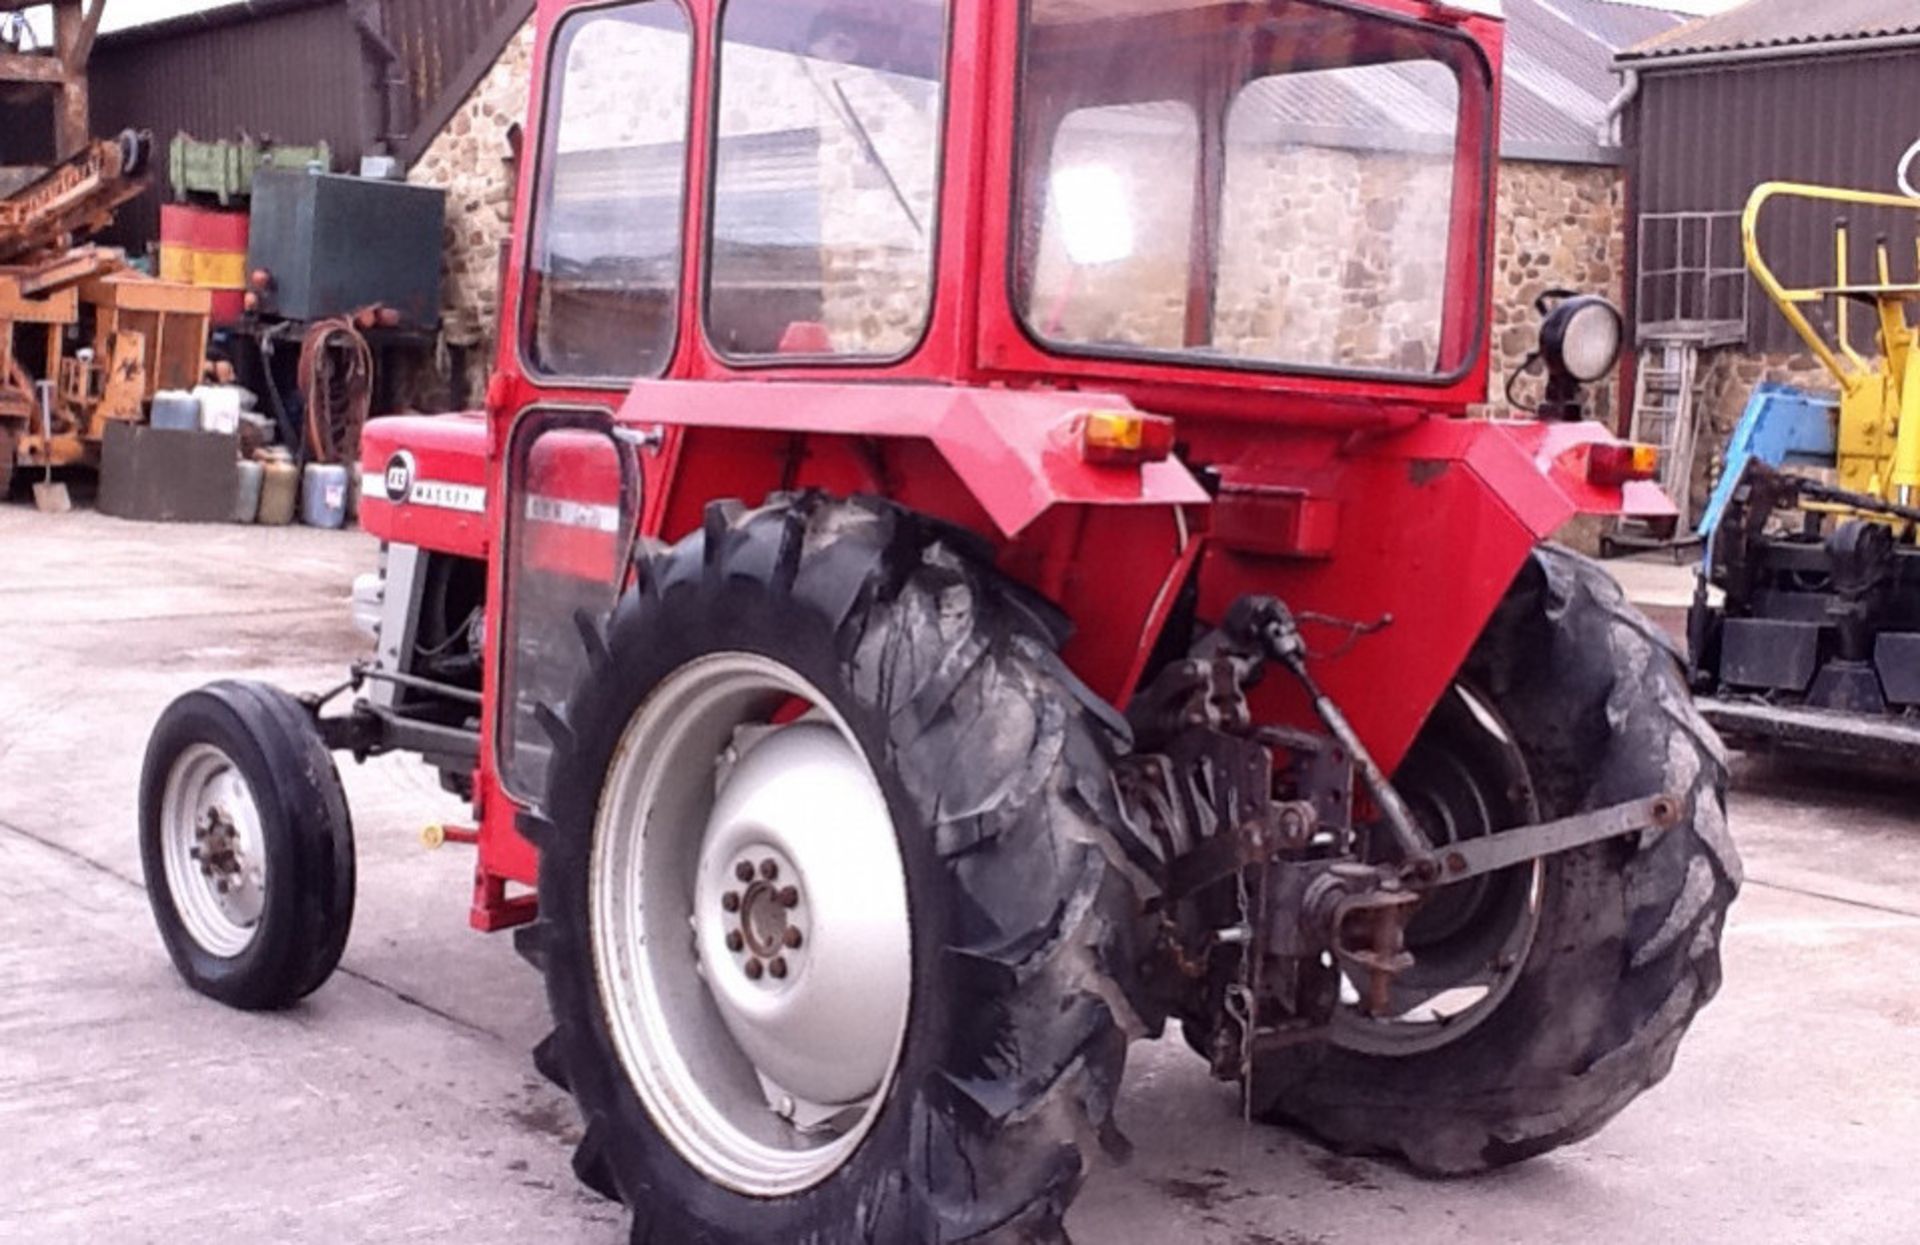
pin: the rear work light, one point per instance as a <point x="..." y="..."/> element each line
<point x="1124" y="438"/>
<point x="1620" y="463"/>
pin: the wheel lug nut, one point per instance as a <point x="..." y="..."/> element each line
<point x="743" y="871"/>
<point x="793" y="938"/>
<point x="778" y="968"/>
<point x="755" y="970"/>
<point x="769" y="870"/>
<point x="790" y="897"/>
<point x="730" y="901"/>
<point x="735" y="943"/>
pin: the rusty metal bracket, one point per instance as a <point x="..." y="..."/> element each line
<point x="1267" y="623"/>
<point x="1473" y="858"/>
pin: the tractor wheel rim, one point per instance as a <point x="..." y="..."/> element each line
<point x="213" y="851"/>
<point x="750" y="925"/>
<point x="1470" y="945"/>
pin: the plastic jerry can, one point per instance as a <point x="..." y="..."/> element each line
<point x="221" y="406"/>
<point x="323" y="496"/>
<point x="246" y="494"/>
<point x="279" y="491"/>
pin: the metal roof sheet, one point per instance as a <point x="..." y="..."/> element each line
<point x="1559" y="72"/>
<point x="1619" y="25"/>
<point x="1559" y="76"/>
<point x="1784" y="24"/>
<point x="1559" y="83"/>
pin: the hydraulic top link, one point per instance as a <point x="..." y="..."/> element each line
<point x="1268" y="622"/>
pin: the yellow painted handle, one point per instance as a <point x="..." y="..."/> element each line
<point x="1850" y="375"/>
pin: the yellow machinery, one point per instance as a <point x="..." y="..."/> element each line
<point x="1816" y="640"/>
<point x="1878" y="434"/>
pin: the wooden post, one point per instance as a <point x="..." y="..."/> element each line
<point x="75" y="24"/>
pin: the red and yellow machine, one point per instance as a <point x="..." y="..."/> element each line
<point x="975" y="549"/>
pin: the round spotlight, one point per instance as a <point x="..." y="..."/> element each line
<point x="1582" y="338"/>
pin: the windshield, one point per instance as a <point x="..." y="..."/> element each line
<point x="1290" y="184"/>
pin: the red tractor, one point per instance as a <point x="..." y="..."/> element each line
<point x="976" y="549"/>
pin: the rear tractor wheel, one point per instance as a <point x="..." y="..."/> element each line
<point x="1545" y="998"/>
<point x="833" y="944"/>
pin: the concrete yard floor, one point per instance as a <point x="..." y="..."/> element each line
<point x="400" y="1104"/>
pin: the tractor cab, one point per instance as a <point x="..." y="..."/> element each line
<point x="1222" y="204"/>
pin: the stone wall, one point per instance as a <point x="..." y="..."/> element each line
<point x="472" y="161"/>
<point x="1728" y="378"/>
<point x="1561" y="226"/>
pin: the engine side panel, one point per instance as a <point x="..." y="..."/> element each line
<point x="425" y="482"/>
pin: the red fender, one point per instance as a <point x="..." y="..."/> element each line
<point x="1428" y="528"/>
<point x="1011" y="450"/>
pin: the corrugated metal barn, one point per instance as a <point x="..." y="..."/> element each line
<point x="1773" y="90"/>
<point x="364" y="76"/>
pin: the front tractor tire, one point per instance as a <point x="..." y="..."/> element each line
<point x="1572" y="701"/>
<point x="835" y="948"/>
<point x="247" y="846"/>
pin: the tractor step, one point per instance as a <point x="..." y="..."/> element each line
<point x="1746" y="724"/>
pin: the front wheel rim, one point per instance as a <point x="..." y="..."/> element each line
<point x="214" y="852"/>
<point x="749" y="922"/>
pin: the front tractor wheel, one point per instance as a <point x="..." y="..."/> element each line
<point x="831" y="937"/>
<point x="247" y="845"/>
<point x="1545" y="998"/>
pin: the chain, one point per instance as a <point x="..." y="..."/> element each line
<point x="1248" y="1001"/>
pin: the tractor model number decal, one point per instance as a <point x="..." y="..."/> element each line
<point x="404" y="488"/>
<point x="564" y="512"/>
<point x="439" y="495"/>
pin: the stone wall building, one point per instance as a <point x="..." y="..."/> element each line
<point x="1560" y="223"/>
<point x="475" y="160"/>
<point x="1561" y="226"/>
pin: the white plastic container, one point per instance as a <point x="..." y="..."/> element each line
<point x="221" y="406"/>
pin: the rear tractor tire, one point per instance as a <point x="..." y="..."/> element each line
<point x="247" y="846"/>
<point x="1574" y="978"/>
<point x="835" y="948"/>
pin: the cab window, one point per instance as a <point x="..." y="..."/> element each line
<point x="604" y="268"/>
<point x="826" y="177"/>
<point x="1285" y="184"/>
